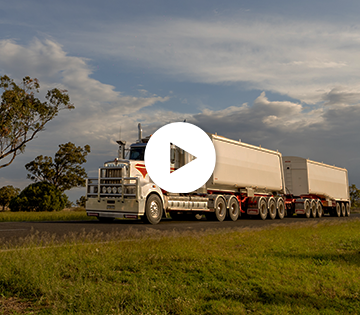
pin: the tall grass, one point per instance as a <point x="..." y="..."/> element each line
<point x="310" y="268"/>
<point x="63" y="215"/>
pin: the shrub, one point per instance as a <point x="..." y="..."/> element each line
<point x="6" y="194"/>
<point x="40" y="196"/>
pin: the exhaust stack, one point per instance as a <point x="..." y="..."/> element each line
<point x="121" y="144"/>
<point x="140" y="132"/>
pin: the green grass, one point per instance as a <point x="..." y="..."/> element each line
<point x="65" y="215"/>
<point x="299" y="269"/>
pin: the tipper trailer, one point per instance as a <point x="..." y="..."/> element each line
<point x="247" y="180"/>
<point x="317" y="187"/>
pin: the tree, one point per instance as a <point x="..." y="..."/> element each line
<point x="354" y="196"/>
<point x="81" y="202"/>
<point x="64" y="172"/>
<point x="6" y="194"/>
<point x="39" y="197"/>
<point x="22" y="115"/>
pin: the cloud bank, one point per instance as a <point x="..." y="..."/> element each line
<point x="304" y="60"/>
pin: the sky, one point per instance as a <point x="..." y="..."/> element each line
<point x="281" y="74"/>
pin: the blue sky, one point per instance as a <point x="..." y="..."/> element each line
<point x="283" y="74"/>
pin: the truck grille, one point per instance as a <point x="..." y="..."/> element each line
<point x="112" y="183"/>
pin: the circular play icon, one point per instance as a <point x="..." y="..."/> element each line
<point x="180" y="157"/>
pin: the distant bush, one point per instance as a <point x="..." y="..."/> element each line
<point x="81" y="202"/>
<point x="40" y="196"/>
<point x="6" y="194"/>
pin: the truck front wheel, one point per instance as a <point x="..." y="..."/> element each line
<point x="153" y="210"/>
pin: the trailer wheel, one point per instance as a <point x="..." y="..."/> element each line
<point x="338" y="210"/>
<point x="281" y="208"/>
<point x="313" y="208"/>
<point x="272" y="209"/>
<point x="220" y="209"/>
<point x="347" y="210"/>
<point x="263" y="210"/>
<point x="234" y="209"/>
<point x="153" y="210"/>
<point x="343" y="210"/>
<point x="307" y="208"/>
<point x="320" y="210"/>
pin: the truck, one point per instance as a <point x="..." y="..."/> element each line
<point x="247" y="180"/>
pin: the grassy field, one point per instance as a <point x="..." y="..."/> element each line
<point x="306" y="268"/>
<point x="66" y="215"/>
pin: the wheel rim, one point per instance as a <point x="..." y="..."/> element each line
<point x="272" y="209"/>
<point x="320" y="211"/>
<point x="307" y="209"/>
<point x="338" y="210"/>
<point x="233" y="209"/>
<point x="154" y="209"/>
<point x="263" y="210"/>
<point x="343" y="210"/>
<point x="281" y="209"/>
<point x="313" y="209"/>
<point x="220" y="209"/>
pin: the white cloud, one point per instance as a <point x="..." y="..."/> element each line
<point x="329" y="134"/>
<point x="301" y="59"/>
<point x="99" y="108"/>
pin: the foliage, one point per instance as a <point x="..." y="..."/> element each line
<point x="69" y="204"/>
<point x="6" y="194"/>
<point x="40" y="196"/>
<point x="22" y="115"/>
<point x="81" y="202"/>
<point x="354" y="196"/>
<point x="64" y="172"/>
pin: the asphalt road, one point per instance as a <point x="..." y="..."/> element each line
<point x="16" y="230"/>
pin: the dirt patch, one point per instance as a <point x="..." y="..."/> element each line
<point x="14" y="305"/>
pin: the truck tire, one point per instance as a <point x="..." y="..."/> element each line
<point x="153" y="210"/>
<point x="263" y="210"/>
<point x="343" y="210"/>
<point x="220" y="209"/>
<point x="272" y="208"/>
<point x="281" y="208"/>
<point x="347" y="209"/>
<point x="320" y="210"/>
<point x="313" y="208"/>
<point x="338" y="210"/>
<point x="234" y="209"/>
<point x="307" y="208"/>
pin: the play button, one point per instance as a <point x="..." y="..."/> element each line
<point x="198" y="157"/>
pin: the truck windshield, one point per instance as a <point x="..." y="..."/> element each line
<point x="137" y="153"/>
